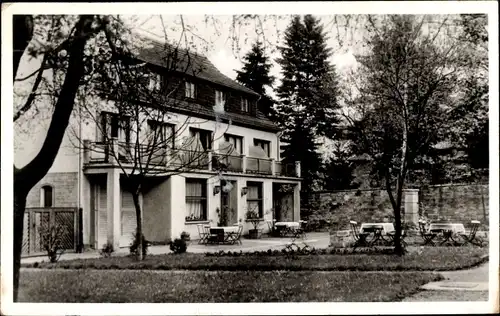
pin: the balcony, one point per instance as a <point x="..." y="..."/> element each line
<point x="126" y="154"/>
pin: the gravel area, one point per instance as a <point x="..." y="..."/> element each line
<point x="441" y="296"/>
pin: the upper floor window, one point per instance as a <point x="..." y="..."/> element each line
<point x="202" y="136"/>
<point x="154" y="82"/>
<point x="161" y="134"/>
<point x="220" y="98"/>
<point x="115" y="126"/>
<point x="244" y="105"/>
<point x="190" y="91"/>
<point x="236" y="142"/>
<point x="46" y="196"/>
<point x="264" y="144"/>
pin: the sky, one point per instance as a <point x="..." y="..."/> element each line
<point x="225" y="43"/>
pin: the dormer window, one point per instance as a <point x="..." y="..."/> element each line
<point x="244" y="105"/>
<point x="154" y="82"/>
<point x="189" y="90"/>
<point x="220" y="98"/>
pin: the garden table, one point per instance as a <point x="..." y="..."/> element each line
<point x="446" y="231"/>
<point x="379" y="230"/>
<point x="223" y="232"/>
<point x="286" y="227"/>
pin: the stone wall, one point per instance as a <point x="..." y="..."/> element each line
<point x="64" y="186"/>
<point x="339" y="207"/>
<point x="456" y="203"/>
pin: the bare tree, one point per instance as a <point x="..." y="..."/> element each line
<point x="406" y="86"/>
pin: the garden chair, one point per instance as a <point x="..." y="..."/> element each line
<point x="300" y="231"/>
<point x="403" y="236"/>
<point x="236" y="237"/>
<point x="426" y="236"/>
<point x="360" y="239"/>
<point x="270" y="224"/>
<point x="211" y="238"/>
<point x="471" y="238"/>
<point x="202" y="233"/>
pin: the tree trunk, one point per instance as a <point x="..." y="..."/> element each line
<point x="28" y="176"/>
<point x="22" y="28"/>
<point x="19" y="209"/>
<point x="138" y="216"/>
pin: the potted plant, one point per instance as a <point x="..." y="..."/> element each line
<point x="253" y="217"/>
<point x="186" y="236"/>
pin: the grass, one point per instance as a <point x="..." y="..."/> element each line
<point x="65" y="286"/>
<point x="429" y="259"/>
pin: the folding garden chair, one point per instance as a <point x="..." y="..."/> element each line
<point x="426" y="236"/>
<point x="360" y="239"/>
<point x="471" y="237"/>
<point x="300" y="231"/>
<point x="236" y="237"/>
<point x="202" y="233"/>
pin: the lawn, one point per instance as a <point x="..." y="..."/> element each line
<point x="96" y="286"/>
<point x="429" y="258"/>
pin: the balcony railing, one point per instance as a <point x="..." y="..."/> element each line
<point x="126" y="153"/>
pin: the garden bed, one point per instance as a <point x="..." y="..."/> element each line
<point x="92" y="286"/>
<point x="420" y="259"/>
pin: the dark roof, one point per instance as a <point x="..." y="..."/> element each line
<point x="161" y="54"/>
<point x="187" y="62"/>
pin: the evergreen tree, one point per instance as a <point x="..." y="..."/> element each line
<point x="255" y="76"/>
<point x="307" y="95"/>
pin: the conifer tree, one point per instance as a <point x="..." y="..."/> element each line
<point x="307" y="95"/>
<point x="255" y="75"/>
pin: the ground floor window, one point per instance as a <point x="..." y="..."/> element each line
<point x="254" y="198"/>
<point x="196" y="200"/>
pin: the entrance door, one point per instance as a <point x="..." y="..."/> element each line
<point x="102" y="215"/>
<point x="128" y="219"/>
<point x="228" y="197"/>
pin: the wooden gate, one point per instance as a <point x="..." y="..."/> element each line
<point x="38" y="218"/>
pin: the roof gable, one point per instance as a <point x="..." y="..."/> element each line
<point x="181" y="60"/>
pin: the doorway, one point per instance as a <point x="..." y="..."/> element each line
<point x="228" y="213"/>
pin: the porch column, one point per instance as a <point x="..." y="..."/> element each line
<point x="177" y="205"/>
<point x="411" y="206"/>
<point x="86" y="205"/>
<point x="113" y="207"/>
<point x="296" y="202"/>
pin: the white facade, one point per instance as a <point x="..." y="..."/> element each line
<point x="108" y="211"/>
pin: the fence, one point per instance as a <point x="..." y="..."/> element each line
<point x="38" y="218"/>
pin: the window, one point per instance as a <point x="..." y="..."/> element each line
<point x="237" y="143"/>
<point x="190" y="90"/>
<point x="244" y="105"/>
<point x="264" y="144"/>
<point x="162" y="134"/>
<point x="196" y="200"/>
<point x="154" y="82"/>
<point x="254" y="198"/>
<point x="46" y="196"/>
<point x="203" y="136"/>
<point x="220" y="98"/>
<point x="114" y="126"/>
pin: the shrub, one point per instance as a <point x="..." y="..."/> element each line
<point x="51" y="239"/>
<point x="178" y="246"/>
<point x="107" y="250"/>
<point x="134" y="246"/>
